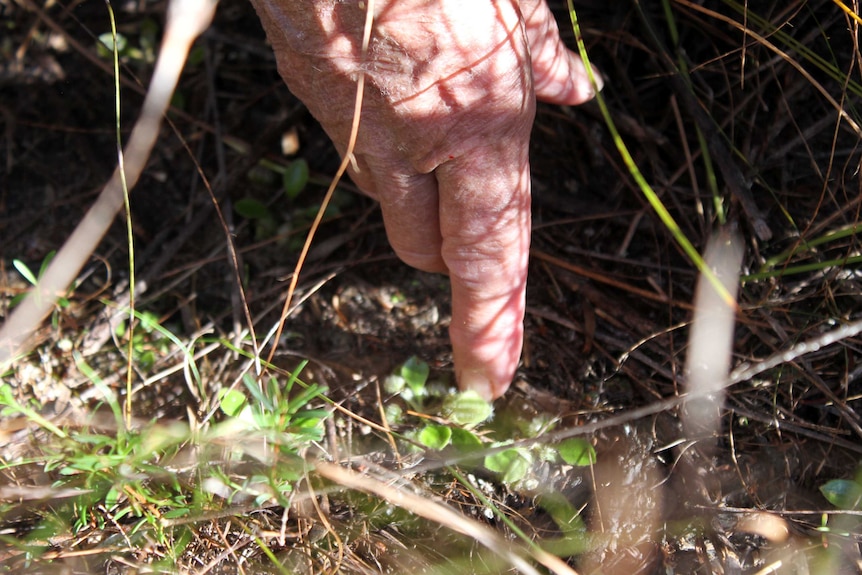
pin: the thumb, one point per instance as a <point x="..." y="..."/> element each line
<point x="559" y="76"/>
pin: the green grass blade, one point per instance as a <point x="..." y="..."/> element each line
<point x="638" y="177"/>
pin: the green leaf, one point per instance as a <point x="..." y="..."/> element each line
<point x="231" y="401"/>
<point x="394" y="384"/>
<point x="17" y="299"/>
<point x="149" y="320"/>
<point x="565" y="515"/>
<point x="105" y="45"/>
<point x="465" y="441"/>
<point x="843" y="493"/>
<point x="435" y="436"/>
<point x="577" y="451"/>
<point x="309" y="418"/>
<point x="304" y="397"/>
<point x="96" y="439"/>
<point x="149" y="39"/>
<point x="25" y="271"/>
<point x="182" y="536"/>
<point x="307" y="215"/>
<point x="415" y="373"/>
<point x="196" y="56"/>
<point x="467" y="408"/>
<point x="178" y="100"/>
<point x="113" y="497"/>
<point x="511" y="465"/>
<point x="260" y="396"/>
<point x="46" y="262"/>
<point x="176" y="513"/>
<point x="468" y="443"/>
<point x="394" y="414"/>
<point x="295" y="178"/>
<point x="251" y="209"/>
<point x="499" y="462"/>
<point x="146" y="360"/>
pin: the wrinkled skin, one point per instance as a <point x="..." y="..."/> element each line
<point x="443" y="140"/>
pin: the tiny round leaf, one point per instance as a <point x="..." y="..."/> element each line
<point x="577" y="451"/>
<point x="251" y="209"/>
<point x="231" y="401"/>
<point x="435" y="436"/>
<point x="295" y="178"/>
<point x="843" y="493"/>
<point x="512" y="464"/>
<point x="467" y="408"/>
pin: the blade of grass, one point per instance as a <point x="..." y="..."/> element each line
<point x="130" y="239"/>
<point x="807" y="245"/>
<point x="848" y="10"/>
<point x="784" y="55"/>
<point x="800" y="269"/>
<point x="701" y="139"/>
<point x="709" y="132"/>
<point x="771" y="31"/>
<point x="7" y="398"/>
<point x="636" y="174"/>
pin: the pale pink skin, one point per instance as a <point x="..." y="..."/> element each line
<point x="443" y="140"/>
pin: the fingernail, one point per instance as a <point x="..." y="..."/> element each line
<point x="600" y="81"/>
<point x="585" y="86"/>
<point x="478" y="382"/>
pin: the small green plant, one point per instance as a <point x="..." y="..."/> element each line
<point x="511" y="465"/>
<point x="149" y="342"/>
<point x="295" y="178"/>
<point x="468" y="428"/>
<point x="409" y="380"/>
<point x="119" y="475"/>
<point x="264" y="220"/>
<point x="285" y="418"/>
<point x="435" y="436"/>
<point x="143" y="477"/>
<point x="577" y="451"/>
<point x="268" y="220"/>
<point x="10" y="406"/>
<point x="144" y="51"/>
<point x="844" y="493"/>
<point x="467" y="409"/>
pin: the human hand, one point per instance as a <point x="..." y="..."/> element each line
<point x="443" y="140"/>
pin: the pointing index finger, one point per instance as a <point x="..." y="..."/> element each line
<point x="485" y="224"/>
